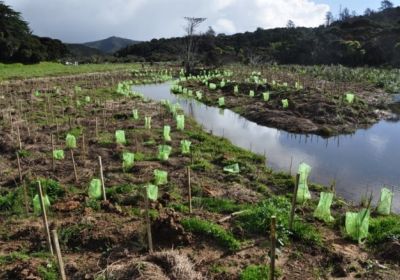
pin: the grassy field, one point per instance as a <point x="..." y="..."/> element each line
<point x="20" y="71"/>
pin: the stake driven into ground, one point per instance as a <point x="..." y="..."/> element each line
<point x="226" y="235"/>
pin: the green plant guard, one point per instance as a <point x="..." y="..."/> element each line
<point x="350" y="97"/>
<point x="147" y="122"/>
<point x="221" y="101"/>
<point x="180" y="122"/>
<point x="385" y="202"/>
<point x="166" y="131"/>
<point x="266" y="96"/>
<point x="222" y="84"/>
<point x="58" y="154"/>
<point x="160" y="177"/>
<point x="185" y="91"/>
<point x="135" y="114"/>
<point x="87" y="99"/>
<point x="236" y="89"/>
<point x="185" y="146"/>
<point x="357" y="225"/>
<point x="212" y="86"/>
<point x="128" y="159"/>
<point x="95" y="189"/>
<point x="303" y="194"/>
<point x="163" y="152"/>
<point x="199" y="95"/>
<point x="285" y="103"/>
<point x="233" y="168"/>
<point x="251" y="93"/>
<point x="120" y="137"/>
<point x="70" y="141"/>
<point x="152" y="192"/>
<point x="190" y="92"/>
<point x="323" y="211"/>
<point x="36" y="204"/>
<point x="37" y="93"/>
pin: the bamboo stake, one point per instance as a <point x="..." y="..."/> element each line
<point x="148" y="223"/>
<point x="189" y="190"/>
<point x="19" y="138"/>
<point x="58" y="254"/>
<point x="103" y="188"/>
<point x="53" y="162"/>
<point x="44" y="216"/>
<point x="97" y="128"/>
<point x="73" y="163"/>
<point x="24" y="186"/>
<point x="296" y="187"/>
<point x="273" y="248"/>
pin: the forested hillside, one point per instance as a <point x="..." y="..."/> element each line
<point x="18" y="44"/>
<point x="371" y="39"/>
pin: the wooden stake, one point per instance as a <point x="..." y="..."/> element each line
<point x="58" y="254"/>
<point x="19" y="138"/>
<point x="24" y="186"/>
<point x="273" y="248"/>
<point x="44" y="216"/>
<point x="97" y="128"/>
<point x="53" y="162"/>
<point x="296" y="187"/>
<point x="189" y="190"/>
<point x="103" y="188"/>
<point x="19" y="167"/>
<point x="148" y="222"/>
<point x="73" y="163"/>
<point x="83" y="147"/>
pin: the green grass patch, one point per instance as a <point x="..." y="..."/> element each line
<point x="383" y="229"/>
<point x="212" y="230"/>
<point x="255" y="272"/>
<point x="257" y="220"/>
<point x="17" y="70"/>
<point x="218" y="205"/>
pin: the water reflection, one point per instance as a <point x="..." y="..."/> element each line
<point x="360" y="162"/>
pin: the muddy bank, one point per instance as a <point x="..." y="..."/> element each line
<point x="309" y="110"/>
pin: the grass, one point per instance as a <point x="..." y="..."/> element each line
<point x="255" y="272"/>
<point x="218" y="205"/>
<point x="383" y="229"/>
<point x="210" y="229"/>
<point x="258" y="219"/>
<point x="18" y="71"/>
<point x="48" y="272"/>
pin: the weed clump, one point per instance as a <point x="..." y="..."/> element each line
<point x="223" y="237"/>
<point x="255" y="272"/>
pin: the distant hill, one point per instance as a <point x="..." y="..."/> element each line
<point x="18" y="44"/>
<point x="111" y="45"/>
<point x="80" y="50"/>
<point x="370" y="39"/>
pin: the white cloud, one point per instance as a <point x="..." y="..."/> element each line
<point x="224" y="25"/>
<point x="79" y="21"/>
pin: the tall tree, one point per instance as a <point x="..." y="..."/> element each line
<point x="190" y="43"/>
<point x="386" y="4"/>
<point x="290" y="24"/>
<point x="329" y="18"/>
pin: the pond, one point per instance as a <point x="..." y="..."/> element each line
<point x="364" y="161"/>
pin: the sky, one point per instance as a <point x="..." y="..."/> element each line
<point x="78" y="21"/>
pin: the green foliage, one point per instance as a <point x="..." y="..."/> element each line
<point x="94" y="204"/>
<point x="48" y="272"/>
<point x="69" y="235"/>
<point x="257" y="220"/>
<point x="218" y="205"/>
<point x="383" y="229"/>
<point x="209" y="229"/>
<point x="50" y="187"/>
<point x="12" y="257"/>
<point x="255" y="272"/>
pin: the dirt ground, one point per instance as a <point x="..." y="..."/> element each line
<point x="312" y="110"/>
<point x="107" y="239"/>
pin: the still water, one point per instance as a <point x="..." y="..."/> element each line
<point x="361" y="162"/>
